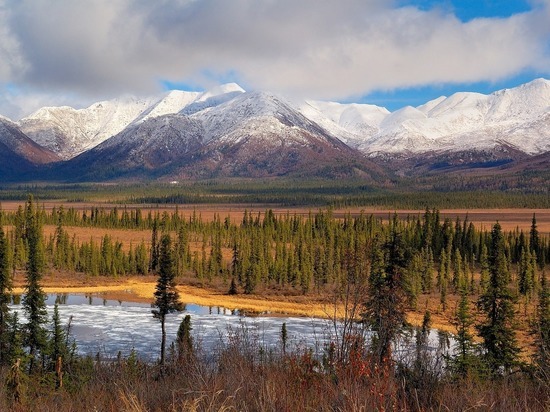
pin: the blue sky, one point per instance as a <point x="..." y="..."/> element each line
<point x="467" y="10"/>
<point x="386" y="52"/>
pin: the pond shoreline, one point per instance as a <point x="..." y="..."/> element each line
<point x="141" y="289"/>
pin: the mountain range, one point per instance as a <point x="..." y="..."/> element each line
<point x="227" y="131"/>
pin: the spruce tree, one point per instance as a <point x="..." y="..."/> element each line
<point x="463" y="360"/>
<point x="497" y="303"/>
<point x="526" y="272"/>
<point x="233" y="288"/>
<point x="166" y="296"/>
<point x="385" y="305"/>
<point x="185" y="339"/>
<point x="34" y="301"/>
<point x="541" y="330"/>
<point x="484" y="268"/>
<point x="154" y="261"/>
<point x="534" y="242"/>
<point x="284" y="337"/>
<point x="5" y="289"/>
<point x="58" y="340"/>
<point x="59" y="349"/>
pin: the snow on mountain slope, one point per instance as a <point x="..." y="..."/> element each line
<point x="517" y="117"/>
<point x="351" y="123"/>
<point x="141" y="147"/>
<point x="172" y="102"/>
<point x="255" y="113"/>
<point x="254" y="134"/>
<point x="69" y="132"/>
<point x="261" y="134"/>
<point x="514" y="117"/>
<point x="227" y="88"/>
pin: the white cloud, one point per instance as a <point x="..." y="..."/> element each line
<point x="315" y="48"/>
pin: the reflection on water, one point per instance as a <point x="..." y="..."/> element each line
<point x="108" y="326"/>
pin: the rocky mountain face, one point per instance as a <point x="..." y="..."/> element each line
<point x="229" y="132"/>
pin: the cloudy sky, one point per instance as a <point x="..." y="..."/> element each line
<point x="386" y="52"/>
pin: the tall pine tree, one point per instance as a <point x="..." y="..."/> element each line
<point x="34" y="301"/>
<point x="497" y="303"/>
<point x="385" y="305"/>
<point x="166" y="296"/>
<point x="5" y="289"/>
<point x="541" y="330"/>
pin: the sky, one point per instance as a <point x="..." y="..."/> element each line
<point x="386" y="52"/>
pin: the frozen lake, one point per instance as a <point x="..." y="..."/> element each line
<point x="110" y="326"/>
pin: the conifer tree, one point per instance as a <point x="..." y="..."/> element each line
<point x="484" y="268"/>
<point x="427" y="269"/>
<point x="458" y="269"/>
<point x="541" y="330"/>
<point x="497" y="331"/>
<point x="5" y="289"/>
<point x="185" y="339"/>
<point x="59" y="349"/>
<point x="463" y="361"/>
<point x="284" y="337"/>
<point x="385" y="305"/>
<point x="154" y="261"/>
<point x="534" y="242"/>
<point x="526" y="272"/>
<point x="34" y="301"/>
<point x="166" y="296"/>
<point x="233" y="288"/>
<point x="181" y="250"/>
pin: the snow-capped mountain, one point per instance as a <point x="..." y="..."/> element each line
<point x="515" y="117"/>
<point x="352" y="123"/>
<point x="252" y="134"/>
<point x="69" y="132"/>
<point x="142" y="147"/>
<point x="227" y="131"/>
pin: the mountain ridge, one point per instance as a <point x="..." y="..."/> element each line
<point x="229" y="131"/>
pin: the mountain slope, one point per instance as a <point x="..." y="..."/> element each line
<point x="259" y="134"/>
<point x="470" y="121"/>
<point x="516" y="117"/>
<point x="18" y="153"/>
<point x="69" y="131"/>
<point x="229" y="132"/>
<point x="251" y="135"/>
<point x="142" y="149"/>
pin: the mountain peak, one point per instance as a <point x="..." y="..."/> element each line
<point x="220" y="90"/>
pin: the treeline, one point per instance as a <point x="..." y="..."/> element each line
<point x="449" y="191"/>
